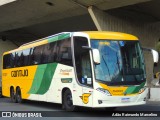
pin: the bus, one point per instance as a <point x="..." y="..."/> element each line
<point x="97" y="69"/>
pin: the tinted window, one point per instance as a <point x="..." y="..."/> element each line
<point x="46" y="53"/>
<point x="26" y="57"/>
<point x="53" y="55"/>
<point x="19" y="58"/>
<point x="12" y="59"/>
<point x="52" y="52"/>
<point x="64" y="52"/>
<point x="49" y="53"/>
<point x="37" y="55"/>
<point x="9" y="60"/>
<point x="6" y="62"/>
<point x="82" y="61"/>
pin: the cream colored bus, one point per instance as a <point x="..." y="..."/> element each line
<point x="90" y="69"/>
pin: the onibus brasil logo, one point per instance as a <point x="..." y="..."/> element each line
<point x="85" y="97"/>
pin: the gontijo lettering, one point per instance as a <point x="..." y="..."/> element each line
<point x="19" y="73"/>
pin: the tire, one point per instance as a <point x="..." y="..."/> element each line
<point x="18" y="96"/>
<point x="110" y="108"/>
<point x="13" y="96"/>
<point x="68" y="101"/>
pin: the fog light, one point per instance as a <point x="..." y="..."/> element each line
<point x="100" y="101"/>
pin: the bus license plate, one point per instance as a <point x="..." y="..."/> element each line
<point x="125" y="99"/>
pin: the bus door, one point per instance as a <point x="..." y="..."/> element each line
<point x="83" y="70"/>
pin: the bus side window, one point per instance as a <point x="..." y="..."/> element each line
<point x="18" y="58"/>
<point x="64" y="52"/>
<point x="53" y="55"/>
<point x="46" y="53"/>
<point x="37" y="55"/>
<point x="12" y="59"/>
<point x="82" y="61"/>
<point x="26" y="57"/>
<point x="22" y="59"/>
<point x="6" y="61"/>
<point x="30" y="61"/>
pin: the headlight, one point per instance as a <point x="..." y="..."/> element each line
<point x="104" y="91"/>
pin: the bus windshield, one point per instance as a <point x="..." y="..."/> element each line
<point x="121" y="62"/>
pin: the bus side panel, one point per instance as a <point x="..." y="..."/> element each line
<point x="64" y="77"/>
<point x="18" y="77"/>
<point x="42" y="80"/>
<point x="32" y="82"/>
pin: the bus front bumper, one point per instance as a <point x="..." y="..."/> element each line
<point x="101" y="100"/>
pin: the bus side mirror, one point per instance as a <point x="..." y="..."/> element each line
<point x="96" y="56"/>
<point x="155" y="56"/>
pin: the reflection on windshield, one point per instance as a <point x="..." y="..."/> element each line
<point x="132" y="61"/>
<point x="121" y="62"/>
<point x="110" y="68"/>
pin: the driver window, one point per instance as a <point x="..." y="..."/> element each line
<point x="82" y="61"/>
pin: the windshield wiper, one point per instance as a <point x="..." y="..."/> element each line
<point x="117" y="62"/>
<point x="127" y="65"/>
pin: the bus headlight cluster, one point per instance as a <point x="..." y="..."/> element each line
<point x="104" y="91"/>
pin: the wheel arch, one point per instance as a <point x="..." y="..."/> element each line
<point x="62" y="93"/>
<point x="11" y="87"/>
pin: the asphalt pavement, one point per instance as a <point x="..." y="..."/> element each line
<point x="56" y="111"/>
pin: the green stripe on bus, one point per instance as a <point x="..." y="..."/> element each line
<point x="47" y="78"/>
<point x="64" y="36"/>
<point x="52" y="39"/>
<point x="134" y="89"/>
<point x="43" y="78"/>
<point x="37" y="78"/>
<point x="59" y="37"/>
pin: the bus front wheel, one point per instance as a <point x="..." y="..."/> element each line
<point x="68" y="101"/>
<point x="13" y="96"/>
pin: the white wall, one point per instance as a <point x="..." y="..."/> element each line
<point x="155" y="94"/>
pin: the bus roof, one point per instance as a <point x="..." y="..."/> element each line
<point x="92" y="35"/>
<point x="110" y="35"/>
<point x="42" y="41"/>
